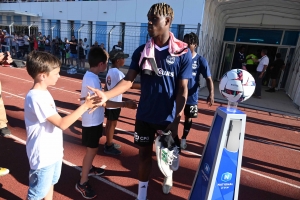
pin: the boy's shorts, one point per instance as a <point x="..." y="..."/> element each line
<point x="191" y="111"/>
<point x="112" y="114"/>
<point x="91" y="136"/>
<point x="145" y="132"/>
<point x="73" y="55"/>
<point x="41" y="180"/>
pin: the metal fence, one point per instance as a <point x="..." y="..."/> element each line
<point x="131" y="36"/>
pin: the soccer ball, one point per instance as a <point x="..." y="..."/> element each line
<point x="237" y="85"/>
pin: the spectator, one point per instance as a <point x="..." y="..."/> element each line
<point x="102" y="46"/>
<point x="260" y="71"/>
<point x="73" y="51"/>
<point x="4" y="130"/>
<point x="276" y="67"/>
<point x="239" y="58"/>
<point x="118" y="46"/>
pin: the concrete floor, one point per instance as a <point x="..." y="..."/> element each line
<point x="278" y="102"/>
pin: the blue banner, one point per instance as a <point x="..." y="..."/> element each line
<point x="225" y="183"/>
<point x="200" y="187"/>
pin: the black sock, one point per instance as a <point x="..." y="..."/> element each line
<point x="186" y="128"/>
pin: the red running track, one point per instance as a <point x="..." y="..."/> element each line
<point x="270" y="166"/>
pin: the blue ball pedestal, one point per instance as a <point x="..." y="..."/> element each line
<point x="218" y="175"/>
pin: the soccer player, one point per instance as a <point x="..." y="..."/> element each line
<point x="165" y="67"/>
<point x="199" y="66"/>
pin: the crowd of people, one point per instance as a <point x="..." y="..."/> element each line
<point x="72" y="52"/>
<point x="164" y="60"/>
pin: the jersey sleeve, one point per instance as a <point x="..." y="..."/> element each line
<point x="135" y="59"/>
<point x="186" y="66"/>
<point x="43" y="109"/>
<point x="204" y="67"/>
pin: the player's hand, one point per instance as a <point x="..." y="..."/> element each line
<point x="173" y="127"/>
<point x="91" y="101"/>
<point x="100" y="94"/>
<point x="130" y="104"/>
<point x="210" y="100"/>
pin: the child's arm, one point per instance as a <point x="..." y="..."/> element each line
<point x="136" y="86"/>
<point x="64" y="122"/>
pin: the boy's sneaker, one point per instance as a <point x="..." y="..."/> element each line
<point x="3" y="171"/>
<point x="4" y="132"/>
<point x="95" y="171"/>
<point x="183" y="144"/>
<point x="164" y="158"/>
<point x="86" y="190"/>
<point x="167" y="185"/>
<point x="175" y="163"/>
<point x="112" y="150"/>
<point x="117" y="146"/>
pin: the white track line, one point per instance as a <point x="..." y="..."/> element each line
<point x="79" y="169"/>
<point x="268" y="177"/>
<point x="55" y="88"/>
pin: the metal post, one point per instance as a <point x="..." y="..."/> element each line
<point x="78" y="43"/>
<point x="10" y="29"/>
<point x="108" y="43"/>
<point x="10" y="32"/>
<point x="198" y="34"/>
<point x="29" y="35"/>
<point x="52" y="31"/>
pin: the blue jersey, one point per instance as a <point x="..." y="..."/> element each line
<point x="199" y="66"/>
<point x="158" y="93"/>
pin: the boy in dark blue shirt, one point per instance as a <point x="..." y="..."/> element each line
<point x="199" y="66"/>
<point x="163" y="88"/>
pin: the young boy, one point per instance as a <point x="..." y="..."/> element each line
<point x="163" y="89"/>
<point x="44" y="125"/>
<point x="114" y="75"/>
<point x="199" y="66"/>
<point x="92" y="124"/>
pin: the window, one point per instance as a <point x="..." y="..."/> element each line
<point x="259" y="36"/>
<point x="229" y="34"/>
<point x="290" y="38"/>
<point x="72" y="28"/>
<point x="180" y="32"/>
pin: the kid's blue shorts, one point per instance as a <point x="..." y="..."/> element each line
<point x="41" y="180"/>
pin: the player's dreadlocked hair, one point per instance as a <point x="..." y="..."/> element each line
<point x="162" y="9"/>
<point x="192" y="38"/>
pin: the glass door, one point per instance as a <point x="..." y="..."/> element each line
<point x="293" y="70"/>
<point x="288" y="61"/>
<point x="227" y="58"/>
<point x="284" y="52"/>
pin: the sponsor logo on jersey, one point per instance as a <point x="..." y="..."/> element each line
<point x="108" y="80"/>
<point x="194" y="65"/>
<point x="161" y="72"/>
<point x="170" y="60"/>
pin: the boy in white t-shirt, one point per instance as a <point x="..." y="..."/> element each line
<point x="92" y="124"/>
<point x="114" y="75"/>
<point x="44" y="145"/>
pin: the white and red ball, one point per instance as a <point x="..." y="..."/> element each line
<point x="237" y="85"/>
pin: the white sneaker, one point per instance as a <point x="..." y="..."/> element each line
<point x="164" y="158"/>
<point x="183" y="144"/>
<point x="175" y="163"/>
<point x="71" y="66"/>
<point x="167" y="185"/>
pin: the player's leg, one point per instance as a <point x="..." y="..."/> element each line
<point x="190" y="111"/>
<point x="144" y="136"/>
<point x="112" y="116"/>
